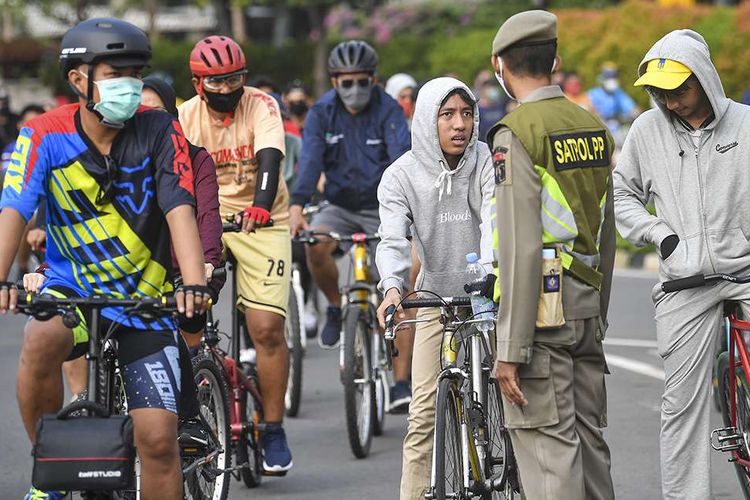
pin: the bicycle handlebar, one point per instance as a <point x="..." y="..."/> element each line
<point x="30" y="303"/>
<point x="229" y="226"/>
<point x="700" y="280"/>
<point x="309" y="237"/>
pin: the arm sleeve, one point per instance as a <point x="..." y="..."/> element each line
<point x="310" y="158"/>
<point x="607" y="249"/>
<point x="634" y="222"/>
<point x="174" y="170"/>
<point x="207" y="209"/>
<point x="519" y="228"/>
<point x="267" y="183"/>
<point x="393" y="255"/>
<point x="25" y="178"/>
<point x="397" y="135"/>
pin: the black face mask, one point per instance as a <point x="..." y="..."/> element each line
<point x="298" y="108"/>
<point x="224" y="103"/>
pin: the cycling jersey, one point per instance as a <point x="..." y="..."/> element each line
<point x="117" y="248"/>
<point x="255" y="125"/>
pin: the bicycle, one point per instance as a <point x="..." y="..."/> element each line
<point x="295" y="337"/>
<point x="106" y="392"/>
<point x="472" y="453"/>
<point x="362" y="358"/>
<point x="732" y="369"/>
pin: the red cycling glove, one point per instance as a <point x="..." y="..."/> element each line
<point x="258" y="214"/>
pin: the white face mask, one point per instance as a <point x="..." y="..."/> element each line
<point x="610" y="85"/>
<point x="501" y="80"/>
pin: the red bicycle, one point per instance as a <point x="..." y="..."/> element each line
<point x="732" y="369"/>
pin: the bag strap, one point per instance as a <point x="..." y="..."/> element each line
<point x="91" y="406"/>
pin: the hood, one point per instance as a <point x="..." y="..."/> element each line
<point x="690" y="48"/>
<point x="424" y="133"/>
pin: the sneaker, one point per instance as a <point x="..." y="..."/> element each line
<point x="331" y="333"/>
<point x="192" y="436"/>
<point x="277" y="457"/>
<point x="311" y="324"/>
<point x="35" y="494"/>
<point x="400" y="397"/>
<point x="248" y="356"/>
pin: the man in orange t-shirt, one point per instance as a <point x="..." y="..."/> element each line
<point x="241" y="128"/>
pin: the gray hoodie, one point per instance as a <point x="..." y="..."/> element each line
<point x="699" y="188"/>
<point x="447" y="212"/>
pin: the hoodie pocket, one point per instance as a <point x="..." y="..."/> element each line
<point x="679" y="264"/>
<point x="730" y="249"/>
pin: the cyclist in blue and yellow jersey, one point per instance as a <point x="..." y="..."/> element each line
<point x="118" y="182"/>
<point x="555" y="249"/>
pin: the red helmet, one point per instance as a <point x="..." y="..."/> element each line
<point x="216" y="55"/>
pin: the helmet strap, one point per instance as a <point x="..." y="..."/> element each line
<point x="90" y="91"/>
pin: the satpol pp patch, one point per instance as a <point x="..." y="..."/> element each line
<point x="499" y="159"/>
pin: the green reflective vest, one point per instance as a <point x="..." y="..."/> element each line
<point x="571" y="151"/>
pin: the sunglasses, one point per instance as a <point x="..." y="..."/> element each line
<point x="662" y="96"/>
<point x="233" y="81"/>
<point x="349" y="83"/>
<point x="106" y="192"/>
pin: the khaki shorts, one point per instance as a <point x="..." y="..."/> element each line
<point x="264" y="267"/>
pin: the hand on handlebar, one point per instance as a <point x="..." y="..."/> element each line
<point x="8" y="297"/>
<point x="252" y="217"/>
<point x="297" y="221"/>
<point x="193" y="300"/>
<point x="392" y="297"/>
<point x="32" y="282"/>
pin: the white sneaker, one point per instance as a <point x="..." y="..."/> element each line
<point x="247" y="356"/>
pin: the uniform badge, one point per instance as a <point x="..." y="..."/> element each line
<point x="551" y="283"/>
<point x="498" y="162"/>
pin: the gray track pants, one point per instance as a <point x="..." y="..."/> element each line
<point x="687" y="323"/>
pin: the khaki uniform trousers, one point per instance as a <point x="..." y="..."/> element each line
<point x="425" y="366"/>
<point x="557" y="437"/>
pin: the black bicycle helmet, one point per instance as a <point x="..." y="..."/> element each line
<point x="353" y="56"/>
<point x="95" y="40"/>
<point x="117" y="42"/>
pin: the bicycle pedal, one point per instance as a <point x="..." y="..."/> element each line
<point x="727" y="439"/>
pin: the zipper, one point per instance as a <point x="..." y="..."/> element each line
<point x="357" y="159"/>
<point x="703" y="210"/>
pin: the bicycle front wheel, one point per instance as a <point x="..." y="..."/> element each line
<point x="206" y="481"/>
<point x="500" y="466"/>
<point x="449" y="466"/>
<point x="294" y="341"/>
<point x="742" y="425"/>
<point x="359" y="390"/>
<point x="248" y="449"/>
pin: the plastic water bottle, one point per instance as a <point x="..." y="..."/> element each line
<point x="481" y="306"/>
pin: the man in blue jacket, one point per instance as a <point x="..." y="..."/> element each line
<point x="352" y="133"/>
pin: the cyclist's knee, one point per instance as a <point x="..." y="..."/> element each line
<point x="267" y="330"/>
<point x="46" y="342"/>
<point x="156" y="434"/>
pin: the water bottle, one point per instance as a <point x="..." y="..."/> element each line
<point x="482" y="307"/>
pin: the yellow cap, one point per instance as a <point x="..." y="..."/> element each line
<point x="664" y="74"/>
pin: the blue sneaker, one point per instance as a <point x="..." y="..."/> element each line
<point x="331" y="333"/>
<point x="277" y="457"/>
<point x="400" y="397"/>
<point x="35" y="494"/>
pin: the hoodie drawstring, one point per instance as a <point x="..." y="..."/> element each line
<point x="445" y="178"/>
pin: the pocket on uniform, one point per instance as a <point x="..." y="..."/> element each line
<point x="539" y="389"/>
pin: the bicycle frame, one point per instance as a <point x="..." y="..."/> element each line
<point x="737" y="347"/>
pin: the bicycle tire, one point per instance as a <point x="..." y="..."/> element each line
<point x="293" y="396"/>
<point x="215" y="412"/>
<point x="448" y="456"/>
<point x="247" y="447"/>
<point x="359" y="424"/>
<point x="500" y="450"/>
<point x="743" y="415"/>
<point x="379" y="410"/>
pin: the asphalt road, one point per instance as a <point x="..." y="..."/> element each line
<point x="325" y="468"/>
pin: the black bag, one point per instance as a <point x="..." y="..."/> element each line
<point x="84" y="453"/>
